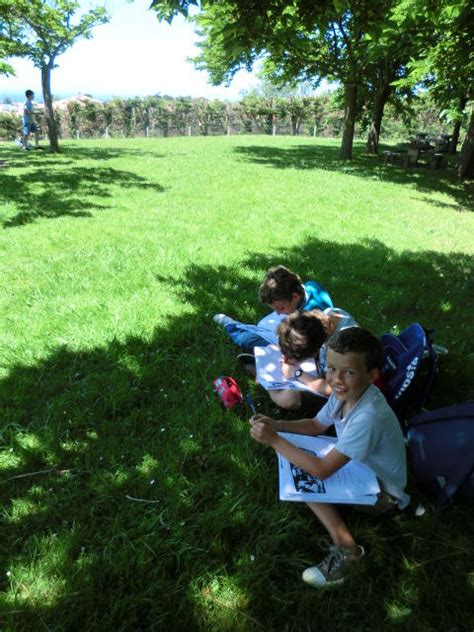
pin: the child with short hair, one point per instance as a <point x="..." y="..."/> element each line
<point x="367" y="431"/>
<point x="284" y="291"/>
<point x="302" y="336"/>
<point x="28" y="122"/>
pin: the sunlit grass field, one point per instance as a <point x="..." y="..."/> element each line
<point x="129" y="499"/>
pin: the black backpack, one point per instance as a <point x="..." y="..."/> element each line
<point x="441" y="452"/>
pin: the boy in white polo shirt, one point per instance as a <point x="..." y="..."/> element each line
<point x="367" y="431"/>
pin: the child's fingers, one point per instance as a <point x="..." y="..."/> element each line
<point x="256" y="431"/>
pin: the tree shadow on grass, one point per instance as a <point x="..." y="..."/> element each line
<point x="383" y="289"/>
<point x="107" y="153"/>
<point x="213" y="549"/>
<point x="317" y="156"/>
<point x="51" y="191"/>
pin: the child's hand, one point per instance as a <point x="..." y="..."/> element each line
<point x="264" y="432"/>
<point x="262" y="418"/>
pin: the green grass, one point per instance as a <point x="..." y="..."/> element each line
<point x="115" y="255"/>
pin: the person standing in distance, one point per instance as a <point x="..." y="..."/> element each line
<point x="28" y="122"/>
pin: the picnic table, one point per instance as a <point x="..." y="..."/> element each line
<point x="422" y="146"/>
<point x="415" y="149"/>
<point x="420" y="149"/>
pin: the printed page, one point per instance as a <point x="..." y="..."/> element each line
<point x="269" y="375"/>
<point x="354" y="483"/>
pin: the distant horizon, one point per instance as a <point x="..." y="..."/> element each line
<point x="132" y="55"/>
<point x="19" y="97"/>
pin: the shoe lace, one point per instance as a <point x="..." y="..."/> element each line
<point x="336" y="556"/>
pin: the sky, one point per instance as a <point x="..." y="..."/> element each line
<point x="132" y="55"/>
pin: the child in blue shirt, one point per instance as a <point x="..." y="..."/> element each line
<point x="285" y="293"/>
<point x="367" y="431"/>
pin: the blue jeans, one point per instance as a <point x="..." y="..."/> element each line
<point x="243" y="335"/>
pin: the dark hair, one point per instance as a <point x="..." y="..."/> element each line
<point x="302" y="334"/>
<point x="29" y="93"/>
<point x="280" y="284"/>
<point x="358" y="340"/>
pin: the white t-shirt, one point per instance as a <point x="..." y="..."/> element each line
<point x="370" y="433"/>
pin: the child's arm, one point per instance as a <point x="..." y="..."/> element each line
<point x="319" y="384"/>
<point x="316" y="384"/>
<point x="266" y="434"/>
<point x="310" y="427"/>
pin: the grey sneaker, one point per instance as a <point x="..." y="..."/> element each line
<point x="334" y="568"/>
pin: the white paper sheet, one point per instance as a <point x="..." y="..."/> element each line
<point x="269" y="375"/>
<point x="354" y="483"/>
<point x="267" y="326"/>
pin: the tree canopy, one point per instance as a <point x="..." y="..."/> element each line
<point x="298" y="40"/>
<point x="375" y="49"/>
<point x="445" y="64"/>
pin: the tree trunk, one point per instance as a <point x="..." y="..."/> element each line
<point x="381" y="97"/>
<point x="466" y="159"/>
<point x="349" y="120"/>
<point x="48" y="106"/>
<point x="294" y="125"/>
<point x="457" y="128"/>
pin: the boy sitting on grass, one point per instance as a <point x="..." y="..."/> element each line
<point x="285" y="293"/>
<point x="367" y="431"/>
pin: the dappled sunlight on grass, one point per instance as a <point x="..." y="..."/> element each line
<point x="9" y="459"/>
<point x="22" y="508"/>
<point x="130" y="498"/>
<point x="398" y="613"/>
<point x="219" y="603"/>
<point x="36" y="576"/>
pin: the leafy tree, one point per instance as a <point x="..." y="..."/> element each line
<point x="446" y="65"/>
<point x="208" y="113"/>
<point x="7" y="45"/>
<point x="165" y="114"/>
<point x="299" y="40"/>
<point x="5" y="68"/>
<point x="41" y="30"/>
<point x="183" y="108"/>
<point x="9" y="125"/>
<point x="388" y="56"/>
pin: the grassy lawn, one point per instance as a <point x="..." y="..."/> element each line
<point x="115" y="255"/>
